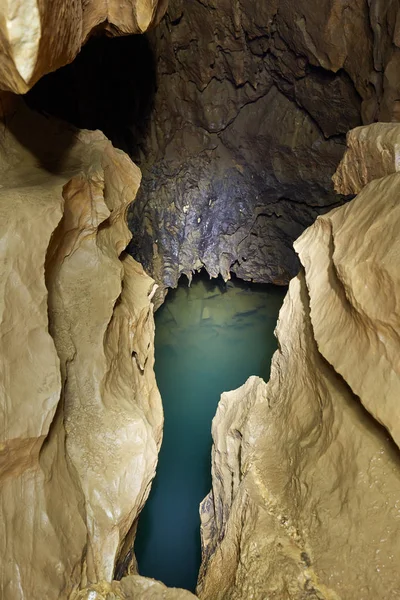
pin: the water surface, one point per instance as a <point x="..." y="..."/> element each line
<point x="209" y="338"/>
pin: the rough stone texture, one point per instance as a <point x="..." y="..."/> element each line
<point x="306" y="481"/>
<point x="366" y="274"/>
<point x="132" y="588"/>
<point x="351" y="263"/>
<point x="253" y="102"/>
<point x="81" y="416"/>
<point x="39" y="36"/>
<point x="372" y="152"/>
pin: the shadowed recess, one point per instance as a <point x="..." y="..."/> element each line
<point x="109" y="86"/>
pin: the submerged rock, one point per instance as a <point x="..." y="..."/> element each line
<point x="306" y="480"/>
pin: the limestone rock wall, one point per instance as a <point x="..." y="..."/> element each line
<point x="37" y="37"/>
<point x="372" y="152"/>
<point x="132" y="587"/>
<point x="253" y="103"/>
<point x="306" y="468"/>
<point x="81" y="415"/>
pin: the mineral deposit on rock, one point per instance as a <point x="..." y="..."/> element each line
<point x="132" y="587"/>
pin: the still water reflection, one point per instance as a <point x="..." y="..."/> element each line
<point x="209" y="338"/>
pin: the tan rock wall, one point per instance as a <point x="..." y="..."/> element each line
<point x="306" y="481"/>
<point x="39" y="36"/>
<point x="351" y="264"/>
<point x="372" y="152"/>
<point x="131" y="588"/>
<point x="81" y="412"/>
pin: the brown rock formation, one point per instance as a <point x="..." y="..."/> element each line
<point x="253" y="102"/>
<point x="38" y="37"/>
<point x="81" y="412"/>
<point x="250" y="115"/>
<point x="306" y="481"/>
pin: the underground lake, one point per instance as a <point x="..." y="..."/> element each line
<point x="210" y="337"/>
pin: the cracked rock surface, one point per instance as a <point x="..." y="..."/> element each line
<point x="306" y="468"/>
<point x="249" y="122"/>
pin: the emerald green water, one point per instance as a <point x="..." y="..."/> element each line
<point x="209" y="338"/>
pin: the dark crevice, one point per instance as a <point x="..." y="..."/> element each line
<point x="109" y="86"/>
<point x="177" y="20"/>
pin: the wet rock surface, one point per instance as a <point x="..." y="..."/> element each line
<point x="131" y="588"/>
<point x="81" y="415"/>
<point x="250" y="114"/>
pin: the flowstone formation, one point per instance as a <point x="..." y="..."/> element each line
<point x="253" y="103"/>
<point x="306" y="468"/>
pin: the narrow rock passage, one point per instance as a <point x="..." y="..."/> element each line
<point x="209" y="338"/>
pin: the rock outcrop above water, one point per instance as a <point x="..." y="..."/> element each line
<point x="249" y="122"/>
<point x="306" y="468"/>
<point x="40" y="36"/>
<point x="81" y="415"/>
<point x="132" y="587"/>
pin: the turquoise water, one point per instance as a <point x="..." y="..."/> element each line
<point x="209" y="338"/>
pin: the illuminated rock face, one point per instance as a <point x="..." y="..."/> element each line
<point x="253" y="103"/>
<point x="81" y="415"/>
<point x="306" y="468"/>
<point x="40" y="36"/>
<point x="306" y="478"/>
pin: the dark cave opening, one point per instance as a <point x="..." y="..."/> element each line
<point x="240" y="193"/>
<point x="210" y="337"/>
<point x="109" y="86"/>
